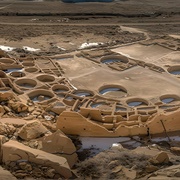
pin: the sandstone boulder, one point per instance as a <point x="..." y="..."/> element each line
<point x="32" y="130"/>
<point x="18" y="106"/>
<point x="14" y="121"/>
<point x="59" y="143"/>
<point x="6" y="96"/>
<point x="162" y="157"/>
<point x="14" y="151"/>
<point x="6" y="175"/>
<point x="6" y="129"/>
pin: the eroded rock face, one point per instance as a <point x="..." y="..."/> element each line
<point x="14" y="151"/>
<point x="32" y="130"/>
<point x="59" y="143"/>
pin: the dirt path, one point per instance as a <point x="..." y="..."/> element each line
<point x="5" y="6"/>
<point x="90" y="24"/>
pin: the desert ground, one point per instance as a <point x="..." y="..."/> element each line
<point x="90" y="90"/>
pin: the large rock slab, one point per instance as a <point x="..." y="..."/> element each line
<point x="14" y="151"/>
<point x="32" y="130"/>
<point x="6" y="175"/>
<point x="59" y="143"/>
<point x="13" y="121"/>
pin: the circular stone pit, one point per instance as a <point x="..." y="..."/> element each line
<point x="175" y="70"/>
<point x="32" y="70"/>
<point x="28" y="64"/>
<point x="83" y="93"/>
<point x="97" y="104"/>
<point x="169" y="99"/>
<point x="7" y="61"/>
<point x="26" y="83"/>
<point x="46" y="78"/>
<point x="135" y="102"/>
<point x="60" y="88"/>
<point x="40" y="95"/>
<point x="17" y="74"/>
<point x="112" y="90"/>
<point x="13" y="70"/>
<point x="113" y="59"/>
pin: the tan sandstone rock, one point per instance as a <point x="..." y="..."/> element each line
<point x="129" y="174"/>
<point x="59" y="143"/>
<point x="18" y="106"/>
<point x="6" y="129"/>
<point x="2" y="110"/>
<point x="32" y="130"/>
<point x="176" y="150"/>
<point x="162" y="157"/>
<point x="6" y="175"/>
<point x="14" y="151"/>
<point x="2" y="141"/>
<point x="6" y="96"/>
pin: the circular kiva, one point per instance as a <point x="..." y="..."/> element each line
<point x="7" y="61"/>
<point x="46" y="78"/>
<point x="40" y="95"/>
<point x="83" y="93"/>
<point x="112" y="90"/>
<point x="97" y="104"/>
<point x="120" y="108"/>
<point x="26" y="83"/>
<point x="169" y="98"/>
<point x="58" y="88"/>
<point x="10" y="70"/>
<point x="31" y="69"/>
<point x="28" y="63"/>
<point x="137" y="102"/>
<point x="175" y="70"/>
<point x="113" y="59"/>
<point x="17" y="74"/>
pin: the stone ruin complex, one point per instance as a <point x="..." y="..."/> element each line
<point x="90" y="104"/>
<point x="109" y="111"/>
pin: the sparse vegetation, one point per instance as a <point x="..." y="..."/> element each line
<point x="103" y="164"/>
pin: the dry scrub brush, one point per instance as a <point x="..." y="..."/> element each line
<point x="102" y="165"/>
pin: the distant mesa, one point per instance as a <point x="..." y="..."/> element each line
<point x="78" y="1"/>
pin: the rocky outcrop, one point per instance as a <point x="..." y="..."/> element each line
<point x="59" y="143"/>
<point x="16" y="152"/>
<point x="32" y="130"/>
